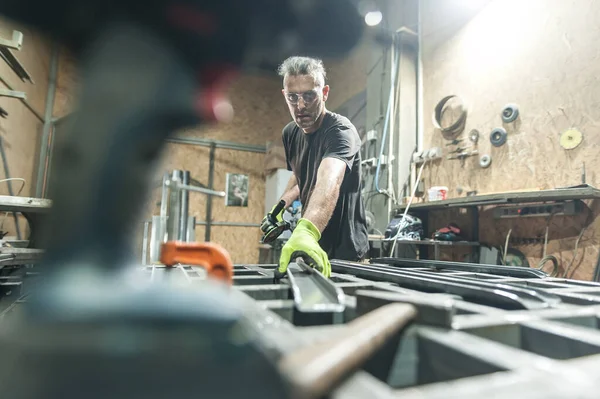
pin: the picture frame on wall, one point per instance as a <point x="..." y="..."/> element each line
<point x="237" y="190"/>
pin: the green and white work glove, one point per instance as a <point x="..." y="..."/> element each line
<point x="304" y="242"/>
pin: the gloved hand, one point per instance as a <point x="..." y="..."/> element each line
<point x="304" y="242"/>
<point x="266" y="223"/>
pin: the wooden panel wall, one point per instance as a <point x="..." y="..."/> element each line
<point x="542" y="55"/>
<point x="21" y="130"/>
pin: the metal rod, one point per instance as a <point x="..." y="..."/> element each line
<point x="145" y="244"/>
<point x="232" y="224"/>
<point x="165" y="196"/>
<point x="316" y="369"/>
<point x="185" y="201"/>
<point x="50" y="94"/>
<point x="9" y="184"/>
<point x="197" y="189"/>
<point x="174" y="206"/>
<point x="228" y="145"/>
<point x="211" y="182"/>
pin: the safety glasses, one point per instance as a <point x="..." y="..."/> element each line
<point x="308" y="97"/>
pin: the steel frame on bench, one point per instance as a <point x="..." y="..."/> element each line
<point x="459" y="346"/>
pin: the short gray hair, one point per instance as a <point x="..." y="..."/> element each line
<point x="295" y="66"/>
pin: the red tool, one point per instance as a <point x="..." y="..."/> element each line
<point x="210" y="256"/>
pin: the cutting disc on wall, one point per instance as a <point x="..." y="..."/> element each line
<point x="571" y="139"/>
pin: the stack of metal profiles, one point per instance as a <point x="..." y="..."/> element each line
<point x="478" y="330"/>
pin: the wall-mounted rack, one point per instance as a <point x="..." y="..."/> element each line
<point x="6" y="47"/>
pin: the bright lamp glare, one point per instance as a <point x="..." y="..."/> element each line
<point x="373" y="18"/>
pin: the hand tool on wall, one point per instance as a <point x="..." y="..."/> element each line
<point x="273" y="224"/>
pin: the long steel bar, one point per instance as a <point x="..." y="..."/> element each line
<point x="485" y="294"/>
<point x="217" y="144"/>
<point x="510" y="271"/>
<point x="316" y="369"/>
<point x="312" y="291"/>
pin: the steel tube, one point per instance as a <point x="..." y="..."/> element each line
<point x="316" y="369"/>
<point x="184" y="209"/>
<point x="211" y="182"/>
<point x="174" y="207"/>
<point x="50" y="95"/>
<point x="231" y="224"/>
<point x="217" y="144"/>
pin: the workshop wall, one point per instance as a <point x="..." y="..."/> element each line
<point x="543" y="56"/>
<point x="21" y="129"/>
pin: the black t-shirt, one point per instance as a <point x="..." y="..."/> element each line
<point x="345" y="237"/>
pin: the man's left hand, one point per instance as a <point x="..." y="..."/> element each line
<point x="304" y="242"/>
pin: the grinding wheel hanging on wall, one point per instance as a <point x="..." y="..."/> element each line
<point x="571" y="139"/>
<point x="510" y="113"/>
<point x="485" y="161"/>
<point x="457" y="126"/>
<point x="498" y="137"/>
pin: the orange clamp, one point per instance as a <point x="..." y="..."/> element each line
<point x="212" y="257"/>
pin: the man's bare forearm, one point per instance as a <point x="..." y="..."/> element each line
<point x="321" y="203"/>
<point x="292" y="191"/>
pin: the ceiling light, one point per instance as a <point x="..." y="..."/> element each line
<point x="373" y="18"/>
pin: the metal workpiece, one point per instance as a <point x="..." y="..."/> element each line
<point x="312" y="291"/>
<point x="430" y="310"/>
<point x="502" y="295"/>
<point x="316" y="369"/>
<point x="509" y="271"/>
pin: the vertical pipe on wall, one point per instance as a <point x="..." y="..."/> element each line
<point x="211" y="179"/>
<point x="392" y="114"/>
<point x="185" y="200"/>
<point x="50" y="94"/>
<point x="420" y="120"/>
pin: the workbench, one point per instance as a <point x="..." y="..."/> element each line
<point x="472" y="204"/>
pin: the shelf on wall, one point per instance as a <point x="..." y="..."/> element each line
<point x="560" y="194"/>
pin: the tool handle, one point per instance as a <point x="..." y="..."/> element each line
<point x="277" y="210"/>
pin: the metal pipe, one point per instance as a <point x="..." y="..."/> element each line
<point x="184" y="211"/>
<point x="228" y="145"/>
<point x="420" y="119"/>
<point x="211" y="182"/>
<point x="49" y="162"/>
<point x="174" y="207"/>
<point x="315" y="369"/>
<point x="165" y="196"/>
<point x="145" y="243"/>
<point x="50" y="94"/>
<point x="9" y="184"/>
<point x="196" y="189"/>
<point x="232" y="224"/>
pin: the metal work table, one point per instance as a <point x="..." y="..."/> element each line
<point x="562" y="194"/>
<point x="473" y="203"/>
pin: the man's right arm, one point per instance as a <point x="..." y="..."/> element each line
<point x="292" y="191"/>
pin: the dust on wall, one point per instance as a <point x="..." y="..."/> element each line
<point x="21" y="129"/>
<point x="543" y="56"/>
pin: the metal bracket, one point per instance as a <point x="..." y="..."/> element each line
<point x="15" y="43"/>
<point x="5" y="52"/>
<point x="13" y="94"/>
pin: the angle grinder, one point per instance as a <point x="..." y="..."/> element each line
<point x="275" y="228"/>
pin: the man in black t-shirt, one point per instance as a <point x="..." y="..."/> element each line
<point x="323" y="151"/>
